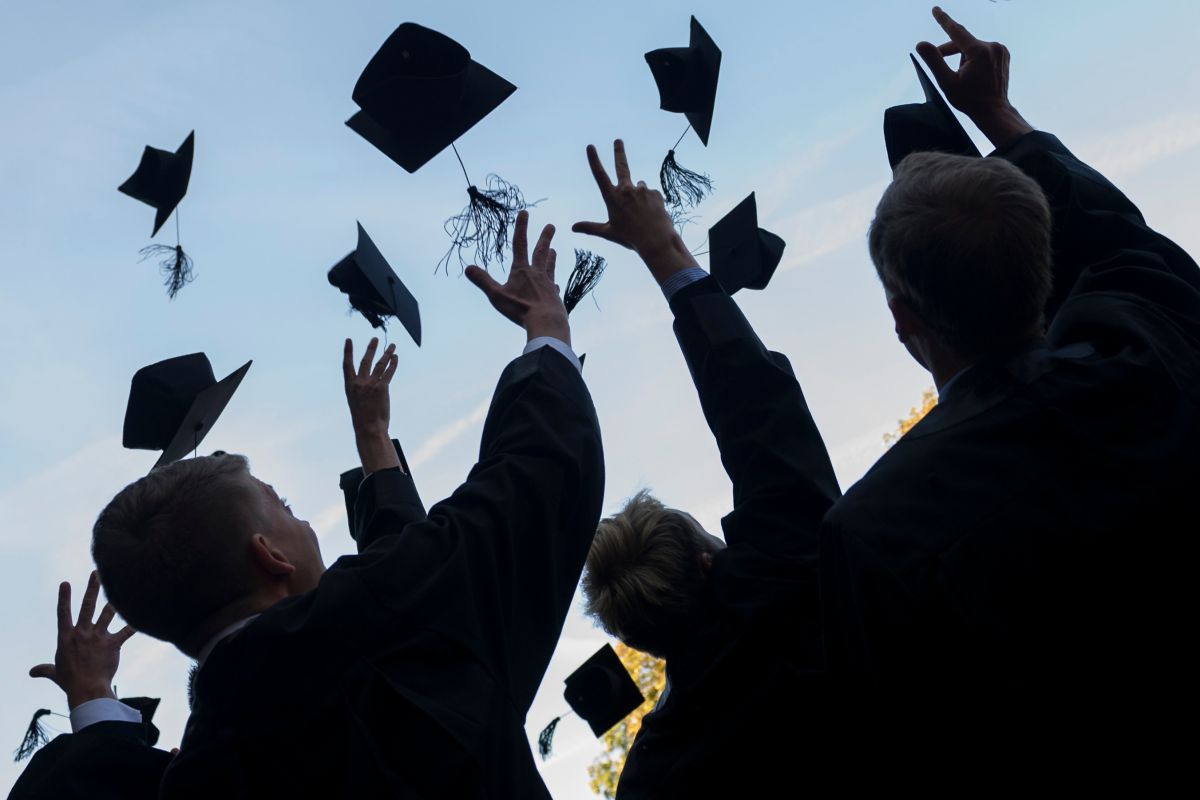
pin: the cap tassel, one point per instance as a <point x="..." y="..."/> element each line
<point x="174" y="264"/>
<point x="682" y="188"/>
<point x="584" y="277"/>
<point x="484" y="223"/>
<point x="35" y="736"/>
<point x="191" y="686"/>
<point x="546" y="738"/>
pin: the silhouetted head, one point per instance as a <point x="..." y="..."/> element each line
<point x="646" y="575"/>
<point x="198" y="544"/>
<point x="962" y="246"/>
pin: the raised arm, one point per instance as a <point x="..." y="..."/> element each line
<point x="783" y="481"/>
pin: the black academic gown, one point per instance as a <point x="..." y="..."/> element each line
<point x="1010" y="584"/>
<point x="740" y="677"/>
<point x="408" y="671"/>
<point x="104" y="761"/>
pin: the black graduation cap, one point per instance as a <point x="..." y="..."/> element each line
<point x="36" y="736"/>
<point x="374" y="289"/>
<point x="174" y="403"/>
<point x="920" y="127"/>
<point x="419" y="93"/>
<point x="742" y="255"/>
<point x="687" y="84"/>
<point x="161" y="180"/>
<point x="601" y="692"/>
<point x="147" y="706"/>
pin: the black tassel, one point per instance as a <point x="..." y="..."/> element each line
<point x="175" y="265"/>
<point x="484" y="223"/>
<point x="681" y="187"/>
<point x="546" y="737"/>
<point x="191" y="686"/>
<point x="584" y="277"/>
<point x="35" y="736"/>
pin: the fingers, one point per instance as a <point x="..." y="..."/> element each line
<point x="44" y="671"/>
<point x="106" y="617"/>
<point x="933" y="58"/>
<point x="949" y="49"/>
<point x="622" y="163"/>
<point x="957" y="33"/>
<point x="551" y="260"/>
<point x="88" y="607"/>
<point x="601" y="229"/>
<point x="598" y="171"/>
<point x="542" y="247"/>
<point x="483" y="280"/>
<point x="384" y="360"/>
<point x="520" y="240"/>
<point x="64" y="608"/>
<point x="364" y="366"/>
<point x="122" y="636"/>
<point x="348" y="361"/>
<point x="391" y="369"/>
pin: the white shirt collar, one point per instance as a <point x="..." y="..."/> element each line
<point x="225" y="632"/>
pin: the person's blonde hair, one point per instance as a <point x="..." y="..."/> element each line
<point x="643" y="580"/>
<point x="169" y="547"/>
<point x="965" y="242"/>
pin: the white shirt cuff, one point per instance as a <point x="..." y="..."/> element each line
<point x="557" y="344"/>
<point x="102" y="709"/>
<point x="681" y="279"/>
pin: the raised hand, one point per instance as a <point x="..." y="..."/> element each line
<point x="87" y="655"/>
<point x="637" y="217"/>
<point x="529" y="297"/>
<point x="979" y="87"/>
<point x="370" y="404"/>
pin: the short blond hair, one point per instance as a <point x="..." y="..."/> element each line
<point x="643" y="581"/>
<point x="169" y="547"/>
<point x="965" y="242"/>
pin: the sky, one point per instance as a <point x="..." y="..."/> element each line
<point x="279" y="182"/>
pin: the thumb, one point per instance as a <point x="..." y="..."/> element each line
<point x="483" y="280"/>
<point x="600" y="229"/>
<point x="942" y="72"/>
<point x="44" y="671"/>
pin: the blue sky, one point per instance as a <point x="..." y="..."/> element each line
<point x="279" y="182"/>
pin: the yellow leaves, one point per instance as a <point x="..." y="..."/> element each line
<point x="650" y="674"/>
<point x="915" y="415"/>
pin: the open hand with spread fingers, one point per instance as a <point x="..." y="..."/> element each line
<point x="87" y="655"/>
<point x="370" y="404"/>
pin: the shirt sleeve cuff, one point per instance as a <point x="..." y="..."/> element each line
<point x="681" y="279"/>
<point x="102" y="709"/>
<point x="557" y="344"/>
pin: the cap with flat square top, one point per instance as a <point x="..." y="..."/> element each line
<point x="601" y="691"/>
<point x="923" y="127"/>
<point x="687" y="78"/>
<point x="374" y="289"/>
<point x="174" y="403"/>
<point x="161" y="179"/>
<point x="742" y="255"/>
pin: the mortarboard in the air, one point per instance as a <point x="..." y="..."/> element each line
<point x="600" y="692"/>
<point x="419" y="93"/>
<point x="174" y="403"/>
<point x="161" y="180"/>
<point x="36" y="736"/>
<point x="742" y="255"/>
<point x="687" y="84"/>
<point x="921" y="127"/>
<point x="374" y="289"/>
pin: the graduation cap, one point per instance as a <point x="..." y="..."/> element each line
<point x="601" y="692"/>
<point x="161" y="180"/>
<point x="174" y="403"/>
<point x="374" y="289"/>
<point x="741" y="254"/>
<point x="419" y="93"/>
<point x="920" y="127"/>
<point x="36" y="736"/>
<point x="687" y="84"/>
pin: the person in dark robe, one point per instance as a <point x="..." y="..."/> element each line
<point x="405" y="670"/>
<point x="723" y="614"/>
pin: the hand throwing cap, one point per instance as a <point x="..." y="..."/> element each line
<point x="921" y="127"/>
<point x="687" y="78"/>
<point x="374" y="289"/>
<point x="741" y="254"/>
<point x="601" y="691"/>
<point x="174" y="403"/>
<point x="161" y="179"/>
<point x="421" y="92"/>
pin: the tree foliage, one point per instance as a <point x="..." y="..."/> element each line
<point x="651" y="675"/>
<point x="915" y="415"/>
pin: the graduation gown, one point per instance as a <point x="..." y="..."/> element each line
<point x="743" y="674"/>
<point x="104" y="761"/>
<point x="408" y="671"/>
<point x="1009" y="584"/>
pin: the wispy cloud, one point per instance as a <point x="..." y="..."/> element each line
<point x="439" y="439"/>
<point x="1128" y="151"/>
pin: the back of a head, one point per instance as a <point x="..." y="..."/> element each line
<point x="965" y="242"/>
<point x="170" y="547"/>
<point x="643" y="582"/>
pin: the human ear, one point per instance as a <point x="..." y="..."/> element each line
<point x="269" y="559"/>
<point x="906" y="321"/>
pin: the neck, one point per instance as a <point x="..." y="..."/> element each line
<point x="234" y="612"/>
<point x="946" y="367"/>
